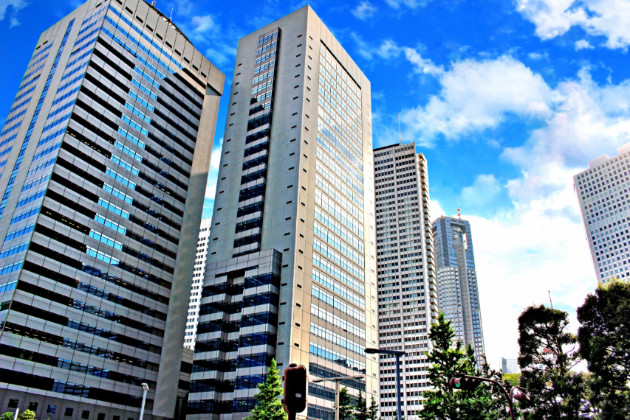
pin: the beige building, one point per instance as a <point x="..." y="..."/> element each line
<point x="291" y="257"/>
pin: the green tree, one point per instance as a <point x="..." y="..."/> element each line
<point x="448" y="360"/>
<point x="373" y="410"/>
<point x="361" y="410"/>
<point x="512" y="378"/>
<point x="7" y="416"/>
<point x="345" y="404"/>
<point x="27" y="415"/>
<point x="268" y="403"/>
<point x="547" y="355"/>
<point x="604" y="338"/>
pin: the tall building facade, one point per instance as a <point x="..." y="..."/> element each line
<point x="407" y="289"/>
<point x="103" y="165"/>
<point x="604" y="194"/>
<point x="458" y="293"/>
<point x="510" y="365"/>
<point x="197" y="283"/>
<point x="291" y="256"/>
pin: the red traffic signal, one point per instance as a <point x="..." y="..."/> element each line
<point x="295" y="379"/>
<point x="463" y="382"/>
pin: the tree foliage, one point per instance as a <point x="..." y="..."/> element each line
<point x="447" y="361"/>
<point x="604" y="338"/>
<point x="547" y="355"/>
<point x="512" y="378"/>
<point x="27" y="415"/>
<point x="7" y="416"/>
<point x="361" y="410"/>
<point x="345" y="404"/>
<point x="268" y="403"/>
<point x="373" y="410"/>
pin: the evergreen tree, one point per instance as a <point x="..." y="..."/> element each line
<point x="604" y="338"/>
<point x="268" y="403"/>
<point x="345" y="404"/>
<point x="547" y="355"/>
<point x="446" y="362"/>
<point x="7" y="416"/>
<point x="361" y="410"/>
<point x="373" y="410"/>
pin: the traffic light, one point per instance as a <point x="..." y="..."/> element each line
<point x="295" y="379"/>
<point x="463" y="382"/>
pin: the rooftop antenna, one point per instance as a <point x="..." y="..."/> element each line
<point x="399" y="133"/>
<point x="459" y="214"/>
<point x="550" y="302"/>
<point x="153" y="3"/>
<point x="170" y="18"/>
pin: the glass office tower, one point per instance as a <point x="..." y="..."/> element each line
<point x="457" y="281"/>
<point x="291" y="256"/>
<point x="407" y="290"/>
<point x="103" y="161"/>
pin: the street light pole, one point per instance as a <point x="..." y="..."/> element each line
<point x="145" y="388"/>
<point x="397" y="354"/>
<point x="336" y="380"/>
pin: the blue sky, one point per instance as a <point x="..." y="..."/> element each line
<point x="508" y="99"/>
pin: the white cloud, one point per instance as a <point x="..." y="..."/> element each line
<point x="203" y="25"/>
<point x="583" y="44"/>
<point x="16" y="6"/>
<point x="364" y="10"/>
<point x="390" y="50"/>
<point x="607" y="18"/>
<point x="481" y="193"/>
<point x="412" y="4"/>
<point x="213" y="173"/>
<point x="476" y="95"/>
<point x="539" y="244"/>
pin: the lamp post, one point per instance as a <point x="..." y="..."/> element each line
<point x="145" y="388"/>
<point x="397" y="354"/>
<point x="336" y="380"/>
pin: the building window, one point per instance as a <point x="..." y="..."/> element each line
<point x="13" y="403"/>
<point x="52" y="409"/>
<point x="32" y="406"/>
<point x="69" y="411"/>
<point x="85" y="414"/>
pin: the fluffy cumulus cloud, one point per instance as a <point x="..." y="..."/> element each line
<point x="476" y="95"/>
<point x="538" y="246"/>
<point x="412" y="4"/>
<point x="482" y="192"/>
<point x="607" y="18"/>
<point x="364" y="10"/>
<point x="10" y="9"/>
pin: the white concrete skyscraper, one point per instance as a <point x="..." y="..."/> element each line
<point x="457" y="281"/>
<point x="604" y="194"/>
<point x="197" y="283"/>
<point x="407" y="290"/>
<point x="291" y="257"/>
<point x="104" y="159"/>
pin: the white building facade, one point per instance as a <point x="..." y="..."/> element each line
<point x="197" y="282"/>
<point x="407" y="290"/>
<point x="604" y="195"/>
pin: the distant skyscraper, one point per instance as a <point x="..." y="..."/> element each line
<point x="457" y="280"/>
<point x="197" y="282"/>
<point x="407" y="291"/>
<point x="604" y="194"/>
<point x="510" y="365"/>
<point x="291" y="257"/>
<point x="103" y="164"/>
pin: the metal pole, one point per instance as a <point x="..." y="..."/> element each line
<point x="145" y="388"/>
<point x="337" y="408"/>
<point x="398" y="385"/>
<point x="17" y="410"/>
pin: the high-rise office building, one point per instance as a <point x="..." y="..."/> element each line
<point x="458" y="293"/>
<point x="510" y="365"/>
<point x="104" y="159"/>
<point x="604" y="194"/>
<point x="197" y="283"/>
<point x="291" y="257"/>
<point x="407" y="290"/>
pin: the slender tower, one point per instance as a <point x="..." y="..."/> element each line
<point x="604" y="194"/>
<point x="291" y="257"/>
<point x="457" y="280"/>
<point x="407" y="290"/>
<point x="103" y="165"/>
